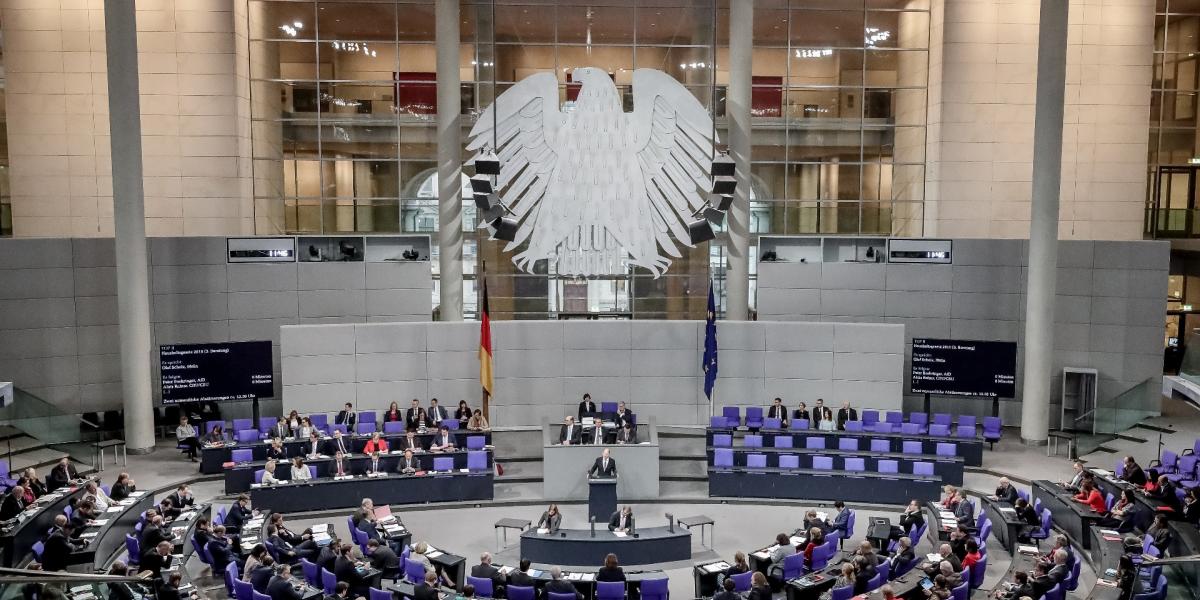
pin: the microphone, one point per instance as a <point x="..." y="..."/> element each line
<point x="670" y="522"/>
<point x="592" y="524"/>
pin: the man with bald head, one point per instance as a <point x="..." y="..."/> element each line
<point x="13" y="504"/>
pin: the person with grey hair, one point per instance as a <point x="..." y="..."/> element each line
<point x="559" y="586"/>
<point x="280" y="587"/>
<point x="931" y="569"/>
<point x="485" y="570"/>
<point x="13" y="503"/>
<point x="1061" y="570"/>
<point x="952" y="575"/>
<point x="1006" y="492"/>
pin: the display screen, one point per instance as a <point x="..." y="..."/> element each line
<point x="964" y="368"/>
<point x="220" y="371"/>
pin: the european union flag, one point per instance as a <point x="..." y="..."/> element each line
<point x="709" y="363"/>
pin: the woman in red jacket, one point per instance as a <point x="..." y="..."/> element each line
<point x="1091" y="496"/>
<point x="376" y="444"/>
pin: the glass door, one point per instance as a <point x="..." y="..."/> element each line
<point x="1175" y="201"/>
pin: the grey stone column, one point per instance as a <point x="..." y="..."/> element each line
<point x="449" y="156"/>
<point x="1043" y="226"/>
<point x="737" y="113"/>
<point x="129" y="223"/>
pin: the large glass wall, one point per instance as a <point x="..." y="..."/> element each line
<point x="1174" y="145"/>
<point x="343" y="98"/>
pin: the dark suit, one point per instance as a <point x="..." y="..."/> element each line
<point x="412" y="418"/>
<point x="575" y="434"/>
<point x="59" y="477"/>
<point x="408" y="463"/>
<point x="1059" y="573"/>
<point x="261" y="577"/>
<point x="236" y="517"/>
<point x="281" y="589"/>
<point x="56" y="554"/>
<point x="484" y="571"/>
<point x="276" y="453"/>
<point x="281" y="430"/>
<point x="800" y="414"/>
<point x="344" y="569"/>
<point x="11" y="507"/>
<point x="910" y="520"/>
<point x="723" y="595"/>
<point x="625" y="416"/>
<point x="120" y="491"/>
<point x="627" y="436"/>
<point x="167" y="591"/>
<point x="333" y="444"/>
<point x="181" y="503"/>
<point x="326" y="558"/>
<point x="152" y="535"/>
<point x="520" y="579"/>
<point x="385" y="560"/>
<point x="587" y="408"/>
<point x="221" y="553"/>
<point x="759" y="593"/>
<point x="778" y="412"/>
<point x="437" y="414"/>
<point x="610" y="574"/>
<point x="154" y="562"/>
<point x="846" y="414"/>
<point x="603" y="470"/>
<point x="615" y="521"/>
<point x="416" y="443"/>
<point x="816" y="415"/>
<point x="368" y="527"/>
<point x="1041" y="585"/>
<point x="347" y="418"/>
<point x="903" y="558"/>
<point x="425" y="592"/>
<point x="1029" y="515"/>
<point x="1135" y="475"/>
<point x="560" y="586"/>
<point x="1007" y="494"/>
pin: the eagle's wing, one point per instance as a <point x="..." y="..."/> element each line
<point x="526" y="120"/>
<point x="672" y="134"/>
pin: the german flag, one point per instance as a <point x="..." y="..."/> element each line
<point x="485" y="346"/>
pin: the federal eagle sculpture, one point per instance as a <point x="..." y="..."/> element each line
<point x="593" y="188"/>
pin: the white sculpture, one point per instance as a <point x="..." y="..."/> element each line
<point x="595" y="187"/>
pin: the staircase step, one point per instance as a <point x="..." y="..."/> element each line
<point x="8" y="431"/>
<point x="1153" y="427"/>
<point x="521" y="471"/>
<point x="683" y="470"/>
<point x="39" y="459"/>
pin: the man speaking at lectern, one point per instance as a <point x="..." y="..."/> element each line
<point x="604" y="466"/>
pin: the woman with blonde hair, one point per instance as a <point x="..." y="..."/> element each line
<point x="268" y="477"/>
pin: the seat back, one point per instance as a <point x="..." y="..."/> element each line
<point x="243" y="590"/>
<point x="365" y="428"/>
<point x="798" y="424"/>
<point x="242" y="424"/>
<point x="870" y="417"/>
<point x="476" y="442"/>
<point x="888" y="466"/>
<point x="965" y="431"/>
<point x="518" y="592"/>
<point x="881" y="446"/>
<point x="919" y="418"/>
<point x="723" y="457"/>
<point x="911" y="447"/>
<point x="443" y="464"/>
<point x="451" y="424"/>
<point x="850" y="524"/>
<point x="752" y="440"/>
<point x="242" y="455"/>
<point x="477" y="460"/>
<point x="257" y="595"/>
<point x="939" y="430"/>
<point x="135" y="551"/>
<point x="717" y="422"/>
<point x="378" y="594"/>
<point x="942" y="419"/>
<point x="393" y="427"/>
<point x="258" y="475"/>
<point x="770" y="423"/>
<point x="944" y="449"/>
<point x="208" y="425"/>
<point x="966" y="421"/>
<point x="611" y="590"/>
<point x="733" y="415"/>
<point x="38" y="547"/>
<point x="483" y="586"/>
<point x="884" y="427"/>
<point x="875" y="582"/>
<point x="850" y="444"/>
<point x="841" y="593"/>
<point x="328" y="581"/>
<point x="312" y="573"/>
<point x="782" y="441"/>
<point x="978" y="570"/>
<point x="922" y="468"/>
<point x="754" y="415"/>
<point x="414" y="571"/>
<point x="756" y="461"/>
<point x="854" y="426"/>
<point x="854" y="463"/>
<point x="722" y="440"/>
<point x="793" y="566"/>
<point x="652" y="589"/>
<point x="339" y="427"/>
<point x="789" y="461"/>
<point x="231" y="575"/>
<point x="266" y="423"/>
<point x="894" y="417"/>
<point x="247" y="436"/>
<point x="814" y="443"/>
<point x="910" y="428"/>
<point x="741" y="581"/>
<point x="824" y="463"/>
<point x="960" y="591"/>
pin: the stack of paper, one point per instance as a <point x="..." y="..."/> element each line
<point x="716" y="567"/>
<point x="589" y="577"/>
<point x="1031" y="550"/>
<point x="933" y="557"/>
<point x="433" y="554"/>
<point x="543" y="531"/>
<point x="619" y="534"/>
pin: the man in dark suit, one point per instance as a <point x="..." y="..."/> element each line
<point x="624" y="415"/>
<point x="281" y="430"/>
<point x="337" y="443"/>
<point x="427" y="590"/>
<point x="62" y="474"/>
<point x="346" y="417"/>
<point x="604" y="466"/>
<point x="622" y="520"/>
<point x="559" y="586"/>
<point x="443" y="440"/>
<point x="727" y="592"/>
<point x="154" y="532"/>
<point x="485" y="570"/>
<point x="1006" y="492"/>
<point x="1042" y="582"/>
<point x="382" y="557"/>
<point x="436" y="413"/>
<point x="587" y="408"/>
<point x="340" y="592"/>
<point x="182" y="498"/>
<point x="283" y="548"/>
<point x="220" y="549"/>
<point x="627" y="434"/>
<point x="86" y="512"/>
<point x="846" y="413"/>
<point x="841" y="521"/>
<point x="1060" y="571"/>
<point x="778" y="411"/>
<point x="13" y="503"/>
<point x="911" y="517"/>
<point x="281" y="587"/>
<point x="412" y="416"/>
<point x="408" y="463"/>
<point x="1133" y="472"/>
<point x="817" y="411"/>
<point x="345" y="570"/>
<point x="56" y="553"/>
<point x="156" y="559"/>
<point x="520" y="577"/>
<point x="570" y="433"/>
<point x="238" y="514"/>
<point x="262" y="574"/>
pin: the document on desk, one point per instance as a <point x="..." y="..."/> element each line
<point x="762" y="554"/>
<point x="1030" y="550"/>
<point x="588" y="577"/>
<point x="114" y="509"/>
<point x="822" y="515"/>
<point x="320" y="528"/>
<point x="716" y="567"/>
<point x="137" y="494"/>
<point x="434" y="553"/>
<point x="619" y="534"/>
<point x="933" y="557"/>
<point x="543" y="531"/>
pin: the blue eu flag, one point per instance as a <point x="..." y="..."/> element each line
<point x="709" y="363"/>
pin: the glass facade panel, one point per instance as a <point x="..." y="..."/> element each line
<point x="343" y="96"/>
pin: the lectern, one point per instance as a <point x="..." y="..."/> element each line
<point x="602" y="498"/>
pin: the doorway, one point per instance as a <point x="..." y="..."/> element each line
<point x="1174" y="210"/>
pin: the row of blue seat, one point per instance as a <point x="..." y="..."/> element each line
<point x="851" y="444"/>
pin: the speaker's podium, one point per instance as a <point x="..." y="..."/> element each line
<point x="602" y="498"/>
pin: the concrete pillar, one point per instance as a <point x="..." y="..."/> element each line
<point x="129" y="223"/>
<point x="1043" y="228"/>
<point x="449" y="154"/>
<point x="737" y="112"/>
